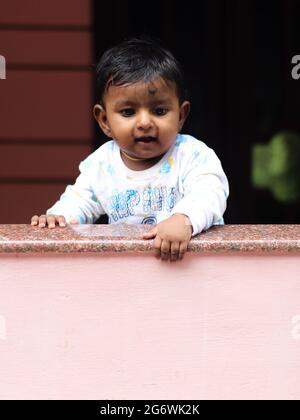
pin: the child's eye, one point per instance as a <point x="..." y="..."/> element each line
<point x="160" y="111"/>
<point x="127" y="112"/>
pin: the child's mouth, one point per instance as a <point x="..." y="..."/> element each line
<point x="146" y="139"/>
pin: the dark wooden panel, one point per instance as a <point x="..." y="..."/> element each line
<point x="19" y="202"/>
<point x="46" y="104"/>
<point x="74" y="12"/>
<point x="49" y="161"/>
<point x="58" y="48"/>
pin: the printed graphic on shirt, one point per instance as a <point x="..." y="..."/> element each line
<point x="167" y="166"/>
<point x="151" y="220"/>
<point x="131" y="202"/>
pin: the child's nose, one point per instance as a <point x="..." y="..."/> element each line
<point x="144" y="121"/>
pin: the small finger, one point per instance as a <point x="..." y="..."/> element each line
<point x="174" y="251"/>
<point x="61" y="221"/>
<point x="74" y="222"/>
<point x="34" y="220"/>
<point x="182" y="250"/>
<point x="157" y="247"/>
<point x="42" y="221"/>
<point x="165" y="250"/>
<point x="51" y="221"/>
<point x="150" y="234"/>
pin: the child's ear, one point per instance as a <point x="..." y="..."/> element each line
<point x="101" y="118"/>
<point x="184" y="112"/>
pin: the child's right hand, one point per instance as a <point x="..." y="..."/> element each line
<point x="49" y="220"/>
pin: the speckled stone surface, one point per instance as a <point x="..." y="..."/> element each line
<point x="125" y="237"/>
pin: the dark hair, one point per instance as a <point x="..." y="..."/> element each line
<point x="138" y="59"/>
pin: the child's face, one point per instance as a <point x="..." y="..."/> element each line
<point x="142" y="111"/>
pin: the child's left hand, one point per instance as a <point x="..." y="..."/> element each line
<point x="171" y="237"/>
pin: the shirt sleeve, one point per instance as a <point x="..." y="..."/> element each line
<point x="79" y="200"/>
<point x="205" y="191"/>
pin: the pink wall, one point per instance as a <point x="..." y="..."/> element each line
<point x="128" y="326"/>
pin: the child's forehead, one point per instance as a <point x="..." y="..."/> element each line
<point x="151" y="89"/>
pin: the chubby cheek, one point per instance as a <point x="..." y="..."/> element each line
<point x="120" y="128"/>
<point x="171" y="122"/>
<point x="123" y="133"/>
<point x="169" y="129"/>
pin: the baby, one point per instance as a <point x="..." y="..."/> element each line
<point x="147" y="173"/>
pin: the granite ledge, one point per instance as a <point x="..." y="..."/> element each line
<point x="128" y="238"/>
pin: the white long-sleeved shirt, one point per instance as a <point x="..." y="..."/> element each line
<point x="189" y="179"/>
